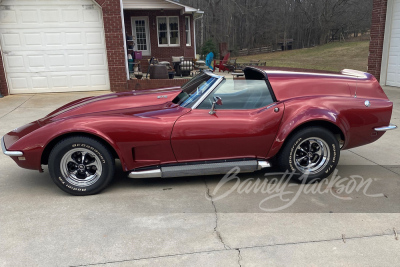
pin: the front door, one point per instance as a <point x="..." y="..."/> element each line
<point x="140" y="28"/>
<point x="245" y="126"/>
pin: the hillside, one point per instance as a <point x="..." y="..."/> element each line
<point x="332" y="57"/>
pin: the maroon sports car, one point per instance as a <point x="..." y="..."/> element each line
<point x="299" y="121"/>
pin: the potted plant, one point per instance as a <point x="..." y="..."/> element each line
<point x="171" y="74"/>
<point x="139" y="75"/>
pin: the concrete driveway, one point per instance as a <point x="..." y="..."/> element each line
<point x="182" y="222"/>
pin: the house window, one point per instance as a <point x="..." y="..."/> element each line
<point x="168" y="31"/>
<point x="187" y="29"/>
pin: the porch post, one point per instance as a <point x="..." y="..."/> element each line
<point x="124" y="36"/>
<point x="194" y="36"/>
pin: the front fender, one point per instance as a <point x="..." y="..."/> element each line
<point x="33" y="143"/>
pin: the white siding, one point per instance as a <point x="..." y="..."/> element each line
<point x="393" y="70"/>
<point x="53" y="46"/>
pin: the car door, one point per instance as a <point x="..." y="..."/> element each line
<point x="244" y="126"/>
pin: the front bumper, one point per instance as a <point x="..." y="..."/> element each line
<point x="386" y="128"/>
<point x="10" y="153"/>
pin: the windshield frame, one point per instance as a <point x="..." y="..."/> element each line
<point x="218" y="81"/>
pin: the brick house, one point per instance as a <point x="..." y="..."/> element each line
<point x="83" y="45"/>
<point x="384" y="58"/>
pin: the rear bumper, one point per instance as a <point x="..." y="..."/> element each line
<point x="10" y="153"/>
<point x="386" y="128"/>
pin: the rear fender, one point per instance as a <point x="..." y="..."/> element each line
<point x="297" y="115"/>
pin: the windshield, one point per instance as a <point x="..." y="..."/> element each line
<point x="194" y="90"/>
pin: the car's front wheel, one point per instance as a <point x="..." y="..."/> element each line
<point x="81" y="166"/>
<point x="312" y="153"/>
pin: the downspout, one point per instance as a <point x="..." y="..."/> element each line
<point x="194" y="33"/>
<point x="4" y="69"/>
<point x="124" y="37"/>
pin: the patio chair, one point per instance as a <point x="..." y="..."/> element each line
<point x="152" y="61"/>
<point x="222" y="63"/>
<point x="208" y="65"/>
<point x="231" y="65"/>
<point x="158" y="72"/>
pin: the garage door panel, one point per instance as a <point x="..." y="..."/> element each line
<point x="79" y="80"/>
<point x="57" y="82"/>
<point x="91" y="15"/>
<point x="18" y="16"/>
<point x="98" y="80"/>
<point x="10" y="41"/>
<point x="53" y="46"/>
<point x="51" y="61"/>
<point x="33" y="39"/>
<point x="57" y="61"/>
<point x="8" y="16"/>
<point x="30" y="16"/>
<point x="51" y="39"/>
<point x="40" y="82"/>
<point x="71" y="15"/>
<point x="19" y="83"/>
<point x="49" y="3"/>
<point x="15" y="62"/>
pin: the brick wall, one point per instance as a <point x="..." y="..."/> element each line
<point x="377" y="36"/>
<point x="162" y="52"/>
<point x="114" y="43"/>
<point x="3" y="82"/>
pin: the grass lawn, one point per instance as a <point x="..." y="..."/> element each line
<point x="332" y="57"/>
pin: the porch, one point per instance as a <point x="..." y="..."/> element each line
<point x="161" y="29"/>
<point x="147" y="83"/>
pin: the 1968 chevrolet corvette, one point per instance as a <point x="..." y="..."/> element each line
<point x="299" y="121"/>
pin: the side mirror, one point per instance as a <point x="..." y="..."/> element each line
<point x="217" y="101"/>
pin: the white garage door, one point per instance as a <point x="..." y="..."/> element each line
<point x="393" y="73"/>
<point x="53" y="46"/>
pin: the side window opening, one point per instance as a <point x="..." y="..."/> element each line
<point x="240" y="95"/>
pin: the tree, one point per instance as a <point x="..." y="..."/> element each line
<point x="256" y="23"/>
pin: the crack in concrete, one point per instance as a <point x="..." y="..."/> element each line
<point x="239" y="249"/>
<point x="216" y="217"/>
<point x="17" y="107"/>
<point x="239" y="257"/>
<point x="374" y="162"/>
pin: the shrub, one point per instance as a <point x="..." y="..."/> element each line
<point x="208" y="47"/>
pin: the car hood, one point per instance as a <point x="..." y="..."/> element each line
<point x="126" y="102"/>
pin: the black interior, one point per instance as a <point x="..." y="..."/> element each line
<point x="254" y="74"/>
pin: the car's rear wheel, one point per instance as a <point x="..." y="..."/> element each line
<point x="81" y="165"/>
<point x="312" y="153"/>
